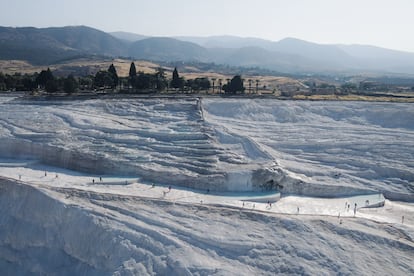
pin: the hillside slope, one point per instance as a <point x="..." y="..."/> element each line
<point x="50" y="45"/>
<point x="167" y="49"/>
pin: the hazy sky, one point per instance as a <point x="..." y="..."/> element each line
<point x="376" y="22"/>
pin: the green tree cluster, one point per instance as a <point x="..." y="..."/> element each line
<point x="43" y="81"/>
<point x="70" y="84"/>
<point x="235" y="85"/>
<point x="198" y="84"/>
<point x="52" y="84"/>
<point x="143" y="82"/>
<point x="17" y="82"/>
<point x="135" y="82"/>
<point x="45" y="78"/>
<point x="106" y="79"/>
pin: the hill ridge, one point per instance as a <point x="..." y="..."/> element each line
<point x="45" y="46"/>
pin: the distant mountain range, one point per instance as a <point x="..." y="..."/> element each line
<point x="51" y="45"/>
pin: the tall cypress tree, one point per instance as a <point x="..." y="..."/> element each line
<point x="114" y="75"/>
<point x="176" y="81"/>
<point x="132" y="75"/>
<point x="132" y="71"/>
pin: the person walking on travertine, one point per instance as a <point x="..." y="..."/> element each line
<point x="355" y="209"/>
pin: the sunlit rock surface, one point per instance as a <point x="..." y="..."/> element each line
<point x="310" y="148"/>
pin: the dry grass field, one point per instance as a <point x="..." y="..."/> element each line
<point x="17" y="66"/>
<point x="91" y="66"/>
<point x="352" y="97"/>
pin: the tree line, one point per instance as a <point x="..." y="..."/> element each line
<point x="158" y="81"/>
<point x="108" y="80"/>
<point x="45" y="80"/>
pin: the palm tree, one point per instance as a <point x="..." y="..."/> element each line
<point x="213" y="79"/>
<point x="257" y="86"/>
<point x="227" y="85"/>
<point x="220" y="84"/>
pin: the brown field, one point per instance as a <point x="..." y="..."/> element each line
<point x="352" y="97"/>
<point x="122" y="66"/>
<point x="17" y="66"/>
